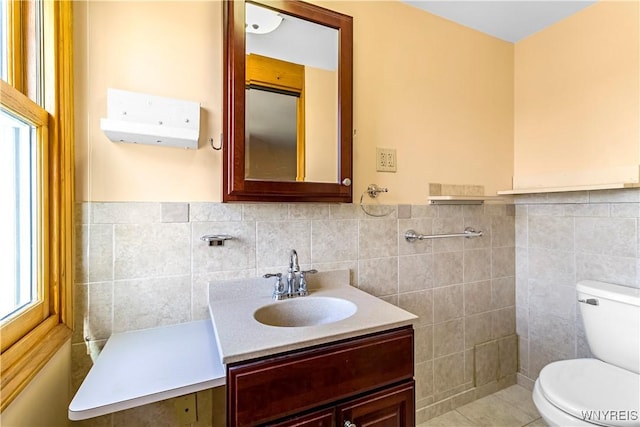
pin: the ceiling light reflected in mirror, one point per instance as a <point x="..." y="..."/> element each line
<point x="260" y="20"/>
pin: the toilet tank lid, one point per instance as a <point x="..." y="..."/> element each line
<point x="610" y="291"/>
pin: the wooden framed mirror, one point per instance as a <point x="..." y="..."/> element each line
<point x="270" y="104"/>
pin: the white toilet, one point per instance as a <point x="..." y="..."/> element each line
<point x="603" y="391"/>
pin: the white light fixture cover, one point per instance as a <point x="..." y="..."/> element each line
<point x="146" y="119"/>
<point x="260" y="20"/>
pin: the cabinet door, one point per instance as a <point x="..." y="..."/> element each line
<point x="393" y="407"/>
<point x="323" y="418"/>
<point x="284" y="385"/>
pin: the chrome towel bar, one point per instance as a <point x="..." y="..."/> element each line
<point x="412" y="235"/>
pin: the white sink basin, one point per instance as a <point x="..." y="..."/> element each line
<point x="305" y="311"/>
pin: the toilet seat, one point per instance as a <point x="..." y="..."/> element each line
<point x="593" y="391"/>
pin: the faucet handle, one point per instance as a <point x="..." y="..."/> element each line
<point x="278" y="288"/>
<point x="302" y="287"/>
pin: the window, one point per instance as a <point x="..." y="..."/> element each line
<point x="18" y="192"/>
<point x="23" y="186"/>
<point x="36" y="187"/>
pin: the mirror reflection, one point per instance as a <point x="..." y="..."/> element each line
<point x="271" y="136"/>
<point x="291" y="122"/>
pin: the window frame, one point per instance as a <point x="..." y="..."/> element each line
<point x="30" y="344"/>
<point x="22" y="107"/>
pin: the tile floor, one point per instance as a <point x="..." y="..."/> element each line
<point x="510" y="407"/>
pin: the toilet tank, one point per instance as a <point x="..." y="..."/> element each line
<point x="611" y="316"/>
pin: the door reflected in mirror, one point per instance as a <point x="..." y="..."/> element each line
<point x="292" y="80"/>
<point x="271" y="135"/>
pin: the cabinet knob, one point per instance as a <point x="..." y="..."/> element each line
<point x="349" y="424"/>
<point x="347" y="182"/>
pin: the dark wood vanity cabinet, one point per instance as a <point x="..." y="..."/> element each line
<point x="363" y="381"/>
<point x="323" y="418"/>
<point x="392" y="407"/>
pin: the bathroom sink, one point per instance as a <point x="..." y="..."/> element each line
<point x="305" y="311"/>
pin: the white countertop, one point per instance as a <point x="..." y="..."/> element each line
<point x="241" y="337"/>
<point x="140" y="367"/>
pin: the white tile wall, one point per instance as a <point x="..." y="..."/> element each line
<point x="141" y="265"/>
<point x="561" y="239"/>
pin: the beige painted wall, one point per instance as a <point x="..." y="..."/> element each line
<point x="439" y="93"/>
<point x="45" y="400"/>
<point x="168" y="49"/>
<point x="577" y="99"/>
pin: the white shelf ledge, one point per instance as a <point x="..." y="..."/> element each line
<point x="138" y="118"/>
<point x="140" y="133"/>
<point x="140" y="367"/>
<point x="594" y="187"/>
<point x="465" y="200"/>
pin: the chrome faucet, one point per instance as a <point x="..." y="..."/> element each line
<point x="292" y="280"/>
<point x="295" y="285"/>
